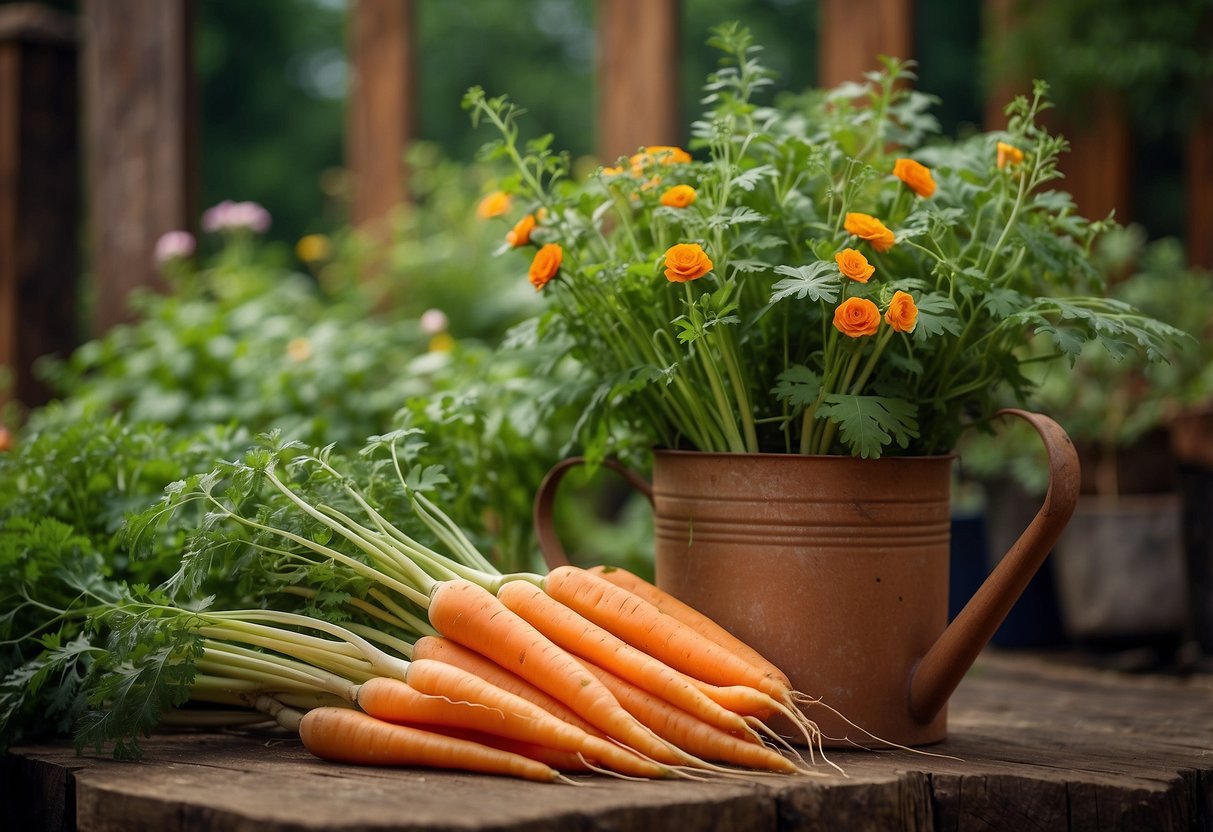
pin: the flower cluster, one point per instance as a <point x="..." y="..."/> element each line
<point x="822" y="276"/>
<point x="234" y="216"/>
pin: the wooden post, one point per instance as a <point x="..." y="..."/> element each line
<point x="382" y="106"/>
<point x="39" y="187"/>
<point x="140" y="108"/>
<point x="638" y="71"/>
<point x="855" y="32"/>
<point x="1198" y="180"/>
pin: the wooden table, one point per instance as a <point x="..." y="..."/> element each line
<point x="1034" y="744"/>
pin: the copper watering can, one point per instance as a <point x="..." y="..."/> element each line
<point x="836" y="569"/>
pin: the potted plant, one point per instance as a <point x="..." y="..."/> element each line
<point x="826" y="291"/>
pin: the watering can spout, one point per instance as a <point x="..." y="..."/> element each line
<point x="938" y="673"/>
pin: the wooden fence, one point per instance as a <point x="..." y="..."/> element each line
<point x="140" y="145"/>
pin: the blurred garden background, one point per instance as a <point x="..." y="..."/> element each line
<point x="334" y="315"/>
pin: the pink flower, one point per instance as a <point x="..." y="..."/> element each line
<point x="228" y="215"/>
<point x="174" y="245"/>
<point x="433" y="321"/>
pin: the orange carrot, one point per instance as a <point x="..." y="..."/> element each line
<point x="343" y="735"/>
<point x="469" y="614"/>
<point x="639" y="623"/>
<point x="581" y="637"/>
<point x="685" y="731"/>
<point x="452" y="653"/>
<point x="439" y="694"/>
<point x="550" y="757"/>
<point x="688" y="615"/>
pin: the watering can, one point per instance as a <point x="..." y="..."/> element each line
<point x="836" y="569"/>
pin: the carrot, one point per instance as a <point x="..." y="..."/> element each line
<point x="438" y="694"/>
<point x="559" y="760"/>
<point x="639" y="623"/>
<point x="688" y="615"/>
<point x="578" y="635"/>
<point x="452" y="653"/>
<point x="685" y="731"/>
<point x="342" y="735"/>
<point x="472" y="616"/>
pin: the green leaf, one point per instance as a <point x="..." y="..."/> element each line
<point x="819" y="281"/>
<point x="798" y="386"/>
<point x="867" y="423"/>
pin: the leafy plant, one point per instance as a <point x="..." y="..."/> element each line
<point x="828" y="278"/>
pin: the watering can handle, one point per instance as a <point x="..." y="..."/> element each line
<point x="545" y="530"/>
<point x="939" y="672"/>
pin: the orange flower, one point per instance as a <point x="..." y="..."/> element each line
<point x="299" y="350"/>
<point x="520" y="234"/>
<point x="658" y="155"/>
<point x="1008" y="154"/>
<point x="679" y="196"/>
<point x="493" y="205"/>
<point x="917" y="176"/>
<point x="6" y="439"/>
<point x="857" y="317"/>
<point x="902" y="313"/>
<point x="854" y="265"/>
<point x="867" y="227"/>
<point x="545" y="265"/>
<point x="685" y="262"/>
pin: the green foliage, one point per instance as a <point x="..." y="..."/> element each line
<point x="701" y="359"/>
<point x="1155" y="56"/>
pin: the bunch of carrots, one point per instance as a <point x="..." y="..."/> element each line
<point x="433" y="658"/>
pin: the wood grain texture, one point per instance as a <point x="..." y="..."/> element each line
<point x="140" y="110"/>
<point x="39" y="187"/>
<point x="638" y="72"/>
<point x="382" y="107"/>
<point x="1198" y="185"/>
<point x="1034" y="745"/>
<point x="855" y="32"/>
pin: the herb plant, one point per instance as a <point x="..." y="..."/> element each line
<point x="827" y="277"/>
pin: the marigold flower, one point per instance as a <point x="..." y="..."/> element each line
<point x="520" y="234"/>
<point x="679" y="196"/>
<point x="6" y="439"/>
<point x="916" y="175"/>
<point x="857" y="317"/>
<point x="313" y="248"/>
<point x="658" y="155"/>
<point x="545" y="265"/>
<point x="854" y="265"/>
<point x="442" y="342"/>
<point x="299" y="350"/>
<point x="867" y="227"/>
<point x="1008" y="154"/>
<point x="902" y="313"/>
<point x="685" y="262"/>
<point x="493" y="205"/>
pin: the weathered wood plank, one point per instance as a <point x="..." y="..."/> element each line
<point x="140" y="109"/>
<point x="39" y="188"/>
<point x="1198" y="185"/>
<point x="381" y="115"/>
<point x="1032" y="745"/>
<point x="855" y="32"/>
<point x="637" y="76"/>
